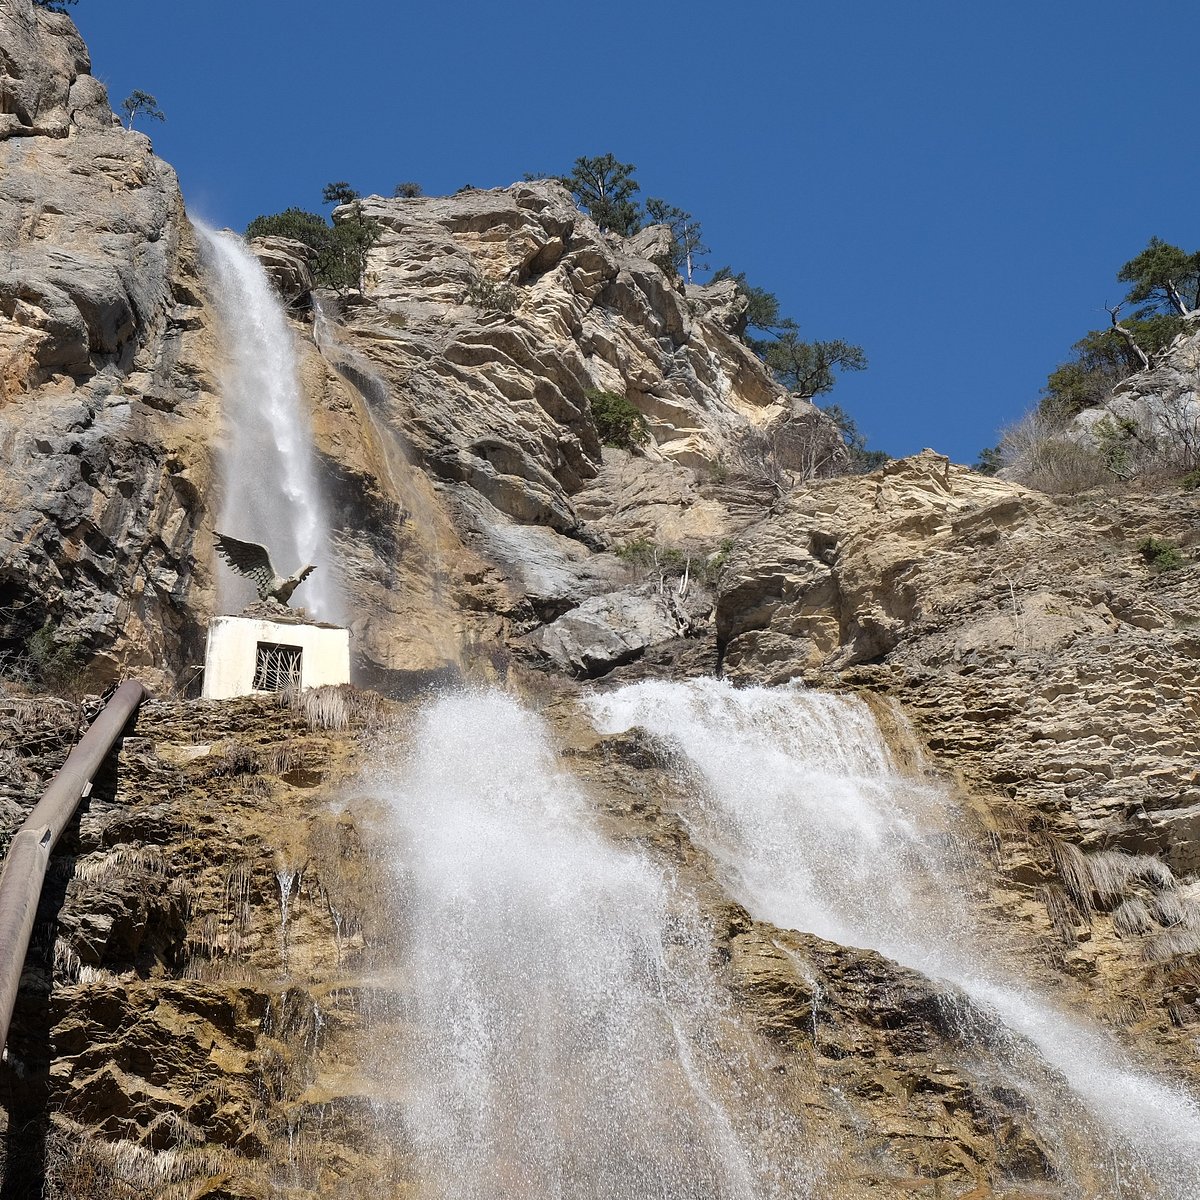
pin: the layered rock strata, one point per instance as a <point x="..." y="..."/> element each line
<point x="104" y="403"/>
<point x="486" y="321"/>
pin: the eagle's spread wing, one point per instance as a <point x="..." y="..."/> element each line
<point x="301" y="576"/>
<point x="249" y="559"/>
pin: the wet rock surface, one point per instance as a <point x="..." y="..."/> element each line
<point x="195" y="971"/>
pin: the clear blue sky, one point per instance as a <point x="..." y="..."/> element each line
<point x="949" y="183"/>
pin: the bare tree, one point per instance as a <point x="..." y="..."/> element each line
<point x="1127" y="335"/>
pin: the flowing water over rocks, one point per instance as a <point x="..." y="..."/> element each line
<point x="798" y="800"/>
<point x="271" y="494"/>
<point x="288" y="955"/>
<point x="563" y="1036"/>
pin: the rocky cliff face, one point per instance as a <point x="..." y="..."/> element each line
<point x="103" y="396"/>
<point x="450" y="405"/>
<point x="453" y="398"/>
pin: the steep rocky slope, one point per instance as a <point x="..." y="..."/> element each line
<point x="103" y="396"/>
<point x="486" y="320"/>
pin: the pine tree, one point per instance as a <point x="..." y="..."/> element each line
<point x="606" y="189"/>
<point x="1164" y="278"/>
<point x="141" y="104"/>
<point x="687" y="242"/>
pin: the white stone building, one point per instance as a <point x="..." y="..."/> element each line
<point x="248" y="655"/>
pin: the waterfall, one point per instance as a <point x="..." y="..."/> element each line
<point x="270" y="483"/>
<point x="561" y="1037"/>
<point x="796" y="796"/>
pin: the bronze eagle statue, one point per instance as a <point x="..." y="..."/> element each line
<point x="253" y="561"/>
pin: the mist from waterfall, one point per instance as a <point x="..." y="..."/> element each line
<point x="271" y="494"/>
<point x="561" y="1035"/>
<point x="795" y="794"/>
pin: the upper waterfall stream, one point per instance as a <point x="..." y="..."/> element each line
<point x="796" y="796"/>
<point x="271" y="493"/>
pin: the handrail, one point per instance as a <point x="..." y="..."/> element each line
<point x="29" y="851"/>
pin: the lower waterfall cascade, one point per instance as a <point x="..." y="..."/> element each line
<point x="560" y="1037"/>
<point x="797" y="798"/>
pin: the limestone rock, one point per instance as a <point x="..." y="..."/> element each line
<point x="104" y="415"/>
<point x="606" y="631"/>
<point x="46" y="86"/>
<point x="722" y="302"/>
<point x="652" y="243"/>
<point x="634" y="497"/>
<point x="486" y="319"/>
<point x="554" y="573"/>
<point x="839" y="575"/>
<point x="583" y="314"/>
<point x="289" y="265"/>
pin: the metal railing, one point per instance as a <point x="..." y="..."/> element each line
<point x="29" y="851"/>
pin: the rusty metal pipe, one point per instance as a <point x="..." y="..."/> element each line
<point x="29" y="852"/>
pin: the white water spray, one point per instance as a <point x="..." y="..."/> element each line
<point x="561" y="1038"/>
<point x="271" y="492"/>
<point x="817" y="831"/>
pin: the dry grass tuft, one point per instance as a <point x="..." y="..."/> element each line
<point x="1104" y="879"/>
<point x="231" y="761"/>
<point x="80" y="1167"/>
<point x="1036" y="452"/>
<point x="337" y="708"/>
<point x="239" y="893"/>
<point x="1165" y="916"/>
<point x="1171" y="943"/>
<point x="122" y="860"/>
<point x="283" y="759"/>
<point x="1132" y="918"/>
<point x="1063" y="911"/>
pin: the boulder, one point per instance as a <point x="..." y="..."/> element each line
<point x="723" y="303"/>
<point x="606" y="631"/>
<point x="652" y="243"/>
<point x="46" y="87"/>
